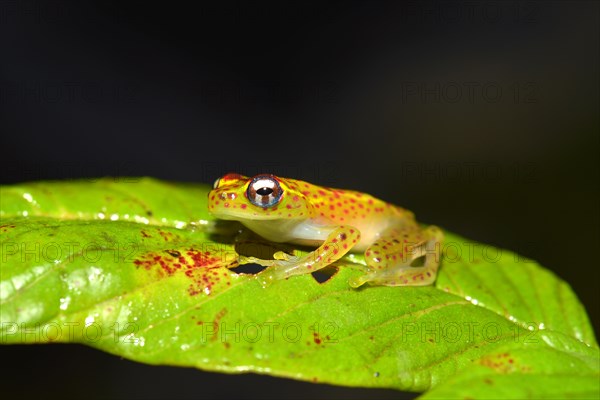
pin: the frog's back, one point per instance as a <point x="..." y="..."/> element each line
<point x="342" y="205"/>
<point x="349" y="207"/>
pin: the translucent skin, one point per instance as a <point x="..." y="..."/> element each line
<point x="335" y="221"/>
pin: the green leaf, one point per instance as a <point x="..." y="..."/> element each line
<point x="131" y="266"/>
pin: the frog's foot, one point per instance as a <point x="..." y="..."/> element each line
<point x="280" y="259"/>
<point x="284" y="265"/>
<point x="281" y="263"/>
<point x="391" y="258"/>
<point x="265" y="279"/>
<point x="360" y="280"/>
<point x="399" y="276"/>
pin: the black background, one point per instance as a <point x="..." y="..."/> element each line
<point x="482" y="117"/>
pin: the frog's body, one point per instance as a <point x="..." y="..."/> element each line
<point x="335" y="221"/>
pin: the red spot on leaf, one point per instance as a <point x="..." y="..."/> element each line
<point x="316" y="338"/>
<point x="205" y="270"/>
<point x="167" y="236"/>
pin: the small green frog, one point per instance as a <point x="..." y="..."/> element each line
<point x="335" y="221"/>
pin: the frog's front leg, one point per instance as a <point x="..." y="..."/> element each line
<point x="390" y="257"/>
<point x="336" y="245"/>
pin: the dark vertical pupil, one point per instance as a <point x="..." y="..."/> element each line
<point x="265" y="191"/>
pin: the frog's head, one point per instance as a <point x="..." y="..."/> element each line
<point x="262" y="197"/>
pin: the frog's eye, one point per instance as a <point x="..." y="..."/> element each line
<point x="264" y="191"/>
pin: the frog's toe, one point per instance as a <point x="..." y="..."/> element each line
<point x="265" y="279"/>
<point x="280" y="255"/>
<point x="253" y="260"/>
<point x="358" y="281"/>
<point x="281" y="268"/>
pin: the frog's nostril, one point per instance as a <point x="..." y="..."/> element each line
<point x="228" y="196"/>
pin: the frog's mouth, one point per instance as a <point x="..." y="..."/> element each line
<point x="247" y="214"/>
<point x="228" y="216"/>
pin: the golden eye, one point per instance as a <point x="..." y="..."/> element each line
<point x="264" y="191"/>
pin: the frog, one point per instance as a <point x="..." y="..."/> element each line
<point x="333" y="222"/>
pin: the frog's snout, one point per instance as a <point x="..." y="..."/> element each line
<point x="221" y="199"/>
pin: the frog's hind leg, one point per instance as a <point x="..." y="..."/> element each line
<point x="391" y="257"/>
